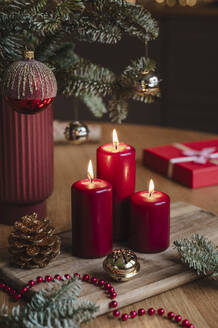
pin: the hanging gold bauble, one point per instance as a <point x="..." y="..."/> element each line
<point x="76" y="132"/>
<point x="122" y="264"/>
<point x="147" y="84"/>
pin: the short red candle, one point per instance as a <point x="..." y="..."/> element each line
<point x="91" y="218"/>
<point x="117" y="165"/>
<point x="150" y="222"/>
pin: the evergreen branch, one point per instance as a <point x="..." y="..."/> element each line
<point x="118" y="109"/>
<point x="95" y="104"/>
<point x="85" y="77"/>
<point x="50" y="309"/>
<point x="200" y="254"/>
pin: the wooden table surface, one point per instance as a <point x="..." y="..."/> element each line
<point x="197" y="301"/>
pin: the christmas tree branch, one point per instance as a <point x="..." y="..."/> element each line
<point x="51" y="308"/>
<point x="199" y="254"/>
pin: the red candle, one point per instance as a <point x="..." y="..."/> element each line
<point x="116" y="164"/>
<point x="150" y="221"/>
<point x="91" y="217"/>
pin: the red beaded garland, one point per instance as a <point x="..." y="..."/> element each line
<point x="185" y="323"/>
<point x="116" y="313"/>
<point x="67" y="276"/>
<point x="151" y="311"/>
<point x="161" y="311"/>
<point x="39" y="279"/>
<point x="141" y="312"/>
<point x="178" y="318"/>
<point x="31" y="283"/>
<point x="7" y="289"/>
<point x="101" y="283"/>
<point x="111" y="289"/>
<point x="48" y="278"/>
<point x="107" y="286"/>
<point x="86" y="277"/>
<point x="2" y="285"/>
<point x="94" y="280"/>
<point x="113" y="295"/>
<point x="133" y="314"/>
<point x="124" y="317"/>
<point x="113" y="304"/>
<point x="170" y="315"/>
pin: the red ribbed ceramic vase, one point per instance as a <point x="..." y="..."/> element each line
<point x="26" y="162"/>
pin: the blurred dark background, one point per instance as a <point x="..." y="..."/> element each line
<point x="186" y="53"/>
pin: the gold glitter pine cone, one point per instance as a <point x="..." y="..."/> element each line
<point x="32" y="243"/>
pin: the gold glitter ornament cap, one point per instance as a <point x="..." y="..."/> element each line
<point x="122" y="264"/>
<point x="28" y="54"/>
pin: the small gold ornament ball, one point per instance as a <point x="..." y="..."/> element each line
<point x="147" y="84"/>
<point x="122" y="264"/>
<point x="76" y="132"/>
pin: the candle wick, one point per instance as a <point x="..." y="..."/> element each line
<point x="150" y="193"/>
<point x="115" y="145"/>
<point x="91" y="180"/>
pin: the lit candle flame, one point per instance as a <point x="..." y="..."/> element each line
<point x="115" y="139"/>
<point x="151" y="187"/>
<point x="90" y="171"/>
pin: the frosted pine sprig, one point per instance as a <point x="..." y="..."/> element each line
<point x="54" y="307"/>
<point x="199" y="254"/>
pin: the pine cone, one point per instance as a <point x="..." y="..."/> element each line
<point x="32" y="242"/>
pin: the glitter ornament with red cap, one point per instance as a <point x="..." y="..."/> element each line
<point x="29" y="86"/>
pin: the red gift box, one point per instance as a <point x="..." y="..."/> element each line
<point x="194" y="164"/>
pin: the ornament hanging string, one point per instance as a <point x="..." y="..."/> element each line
<point x="110" y="292"/>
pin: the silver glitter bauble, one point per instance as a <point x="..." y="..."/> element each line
<point x="76" y="132"/>
<point x="147" y="84"/>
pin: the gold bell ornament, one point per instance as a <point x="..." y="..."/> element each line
<point x="122" y="264"/>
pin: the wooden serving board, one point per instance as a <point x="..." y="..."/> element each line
<point x="159" y="272"/>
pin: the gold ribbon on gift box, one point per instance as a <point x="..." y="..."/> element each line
<point x="191" y="155"/>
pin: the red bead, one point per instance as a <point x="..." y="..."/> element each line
<point x="161" y="311"/>
<point x="171" y="315"/>
<point x="67" y="276"/>
<point x="48" y="278"/>
<point x="101" y="283"/>
<point x="31" y="283"/>
<point x="185" y="323"/>
<point x="141" y="312"/>
<point x="86" y="277"/>
<point x="111" y="289"/>
<point x="57" y="277"/>
<point x="178" y="318"/>
<point x="191" y="326"/>
<point x="113" y="304"/>
<point x="24" y="290"/>
<point x="133" y="314"/>
<point x="7" y="289"/>
<point x="39" y="279"/>
<point x="77" y="275"/>
<point x="151" y="311"/>
<point x="94" y="280"/>
<point x="113" y="295"/>
<point x="13" y="292"/>
<point x="18" y="297"/>
<point x="2" y="285"/>
<point x="116" y="313"/>
<point x="124" y="317"/>
<point x="107" y="285"/>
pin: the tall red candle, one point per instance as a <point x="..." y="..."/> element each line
<point x="150" y="221"/>
<point x="116" y="164"/>
<point x="91" y="218"/>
